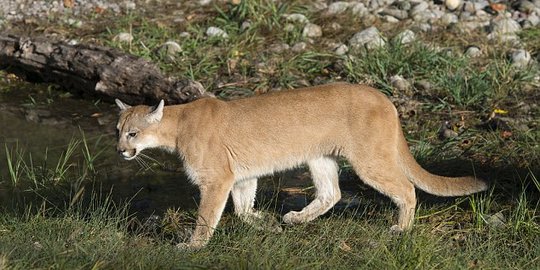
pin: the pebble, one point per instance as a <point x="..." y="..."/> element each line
<point x="401" y="85"/>
<point x="452" y="4"/>
<point x="473" y="51"/>
<point x="296" y="18"/>
<point x="124" y="37"/>
<point x="505" y="26"/>
<point x="370" y="38"/>
<point x="299" y="47"/>
<point x="359" y="10"/>
<point x="312" y="31"/>
<point x="496" y="220"/>
<point x="337" y="8"/>
<point x="341" y="49"/>
<point x="520" y="58"/>
<point x="171" y="48"/>
<point x="405" y="37"/>
<point x="213" y="31"/>
<point x="449" y="18"/>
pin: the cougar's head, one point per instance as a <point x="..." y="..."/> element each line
<point x="136" y="128"/>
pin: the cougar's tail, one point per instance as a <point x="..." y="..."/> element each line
<point x="435" y="184"/>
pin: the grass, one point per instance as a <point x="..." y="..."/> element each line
<point x="58" y="216"/>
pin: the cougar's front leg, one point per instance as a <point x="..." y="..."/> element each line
<point x="214" y="196"/>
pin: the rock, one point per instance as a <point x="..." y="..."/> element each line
<point x="396" y="13"/>
<point x="359" y="10"/>
<point x="299" y="47"/>
<point x="369" y="38"/>
<point x="520" y="58"/>
<point x="419" y="7"/>
<point x="124" y="37"/>
<point x="423" y="85"/>
<point x="296" y="18"/>
<point x="312" y="31"/>
<point x="279" y="47"/>
<point x="505" y="26"/>
<point x="401" y="85"/>
<point x="473" y="51"/>
<point x="289" y="27"/>
<point x="449" y="18"/>
<point x="245" y="26"/>
<point x="213" y="31"/>
<point x="446" y="131"/>
<point x="170" y="49"/>
<point x="405" y="37"/>
<point x="391" y="19"/>
<point x="337" y="8"/>
<point x="497" y="220"/>
<point x="341" y="49"/>
<point x="452" y="4"/>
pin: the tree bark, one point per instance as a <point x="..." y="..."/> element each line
<point x="95" y="70"/>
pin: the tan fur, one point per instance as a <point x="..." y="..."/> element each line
<point x="225" y="146"/>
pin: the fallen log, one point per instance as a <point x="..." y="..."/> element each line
<point x="95" y="70"/>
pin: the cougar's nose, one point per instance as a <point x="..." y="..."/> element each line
<point x="120" y="150"/>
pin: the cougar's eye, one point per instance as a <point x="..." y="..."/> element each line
<point x="132" y="134"/>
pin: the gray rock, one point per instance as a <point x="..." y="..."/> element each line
<point x="296" y="18"/>
<point x="405" y="37"/>
<point x="419" y="7"/>
<point x="369" y="38"/>
<point x="473" y="52"/>
<point x="496" y="220"/>
<point x="170" y="48"/>
<point x="391" y="19"/>
<point x="452" y="4"/>
<point x="299" y="47"/>
<point x="245" y="26"/>
<point x="213" y="31"/>
<point x="312" y="31"/>
<point x="337" y="8"/>
<point x="359" y="10"/>
<point x="279" y="47"/>
<point x="341" y="49"/>
<point x="399" y="14"/>
<point x="289" y="27"/>
<point x="505" y="26"/>
<point x="124" y="37"/>
<point x="401" y="85"/>
<point x="520" y="58"/>
<point x="449" y="18"/>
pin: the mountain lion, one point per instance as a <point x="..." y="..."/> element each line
<point x="227" y="145"/>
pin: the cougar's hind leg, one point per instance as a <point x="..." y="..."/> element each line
<point x="324" y="171"/>
<point x="391" y="181"/>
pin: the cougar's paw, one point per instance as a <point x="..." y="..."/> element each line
<point x="190" y="246"/>
<point x="293" y="217"/>
<point x="396" y="230"/>
<point x="262" y="221"/>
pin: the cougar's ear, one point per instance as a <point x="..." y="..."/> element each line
<point x="155" y="115"/>
<point x="123" y="106"/>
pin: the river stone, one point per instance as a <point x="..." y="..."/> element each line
<point x="337" y="8"/>
<point x="359" y="10"/>
<point x="299" y="47"/>
<point x="312" y="31"/>
<point x="341" y="49"/>
<point x="449" y="18"/>
<point x="520" y="58"/>
<point x="296" y="18"/>
<point x="420" y="7"/>
<point x="124" y="37"/>
<point x="505" y="26"/>
<point x="401" y="85"/>
<point x="170" y="49"/>
<point x="452" y="4"/>
<point x="473" y="51"/>
<point x="405" y="37"/>
<point x="370" y="38"/>
<point x="213" y="31"/>
<point x="399" y="14"/>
